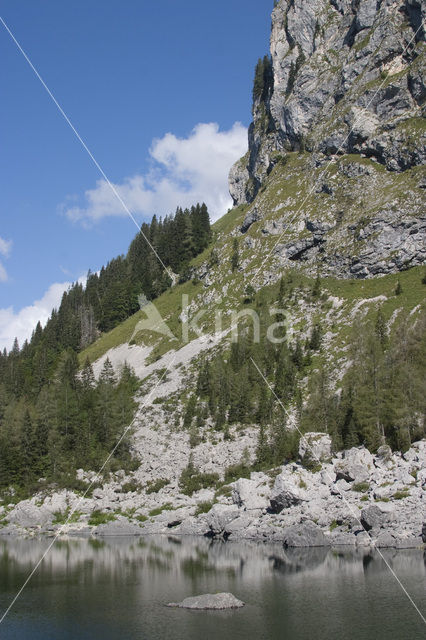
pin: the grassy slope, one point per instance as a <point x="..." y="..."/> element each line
<point x="169" y="304"/>
<point x="288" y="196"/>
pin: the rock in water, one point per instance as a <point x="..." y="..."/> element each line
<point x="306" y="534"/>
<point x="209" y="601"/>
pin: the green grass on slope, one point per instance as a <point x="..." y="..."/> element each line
<point x="288" y="187"/>
<point x="349" y="291"/>
<point x="168" y="305"/>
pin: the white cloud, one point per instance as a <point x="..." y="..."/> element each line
<point x="22" y="323"/>
<point x="5" y="247"/>
<point x="184" y="171"/>
<point x="3" y="274"/>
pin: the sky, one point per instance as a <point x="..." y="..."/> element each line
<point x="160" y="92"/>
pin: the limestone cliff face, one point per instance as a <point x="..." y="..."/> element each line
<point x="347" y="77"/>
<point x="337" y="151"/>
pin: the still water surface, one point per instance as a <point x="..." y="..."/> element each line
<point x="117" y="589"/>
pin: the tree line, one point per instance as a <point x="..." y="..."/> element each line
<point x="108" y="298"/>
<point x="379" y="400"/>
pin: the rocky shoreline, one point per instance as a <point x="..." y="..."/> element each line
<point x="352" y="498"/>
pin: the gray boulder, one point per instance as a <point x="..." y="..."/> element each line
<point x="363" y="539"/>
<point x="218" y="601"/>
<point x="339" y="486"/>
<point x="120" y="527"/>
<point x="373" y="517"/>
<point x="219" y="517"/>
<point x="241" y="528"/>
<point x="285" y="493"/>
<point x="27" y="514"/>
<point x="193" y="526"/>
<point x="385" y="540"/>
<point x="356" y="465"/>
<point x="416" y="454"/>
<point x="248" y="495"/>
<point x="315" y="445"/>
<point x="306" y="534"/>
<point x="8" y="530"/>
<point x="367" y="10"/>
<point x="342" y="538"/>
<point x="384" y="453"/>
<point x="412" y="542"/>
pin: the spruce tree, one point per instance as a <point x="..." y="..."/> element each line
<point x="381" y="329"/>
<point x="235" y="256"/>
<point x="315" y="340"/>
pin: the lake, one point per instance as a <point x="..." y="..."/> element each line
<point x="118" y="588"/>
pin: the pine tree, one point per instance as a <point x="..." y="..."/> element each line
<point x="249" y="294"/>
<point x="87" y="376"/>
<point x="107" y="375"/>
<point x="381" y="329"/>
<point x="320" y="413"/>
<point x="190" y="412"/>
<point x="203" y="382"/>
<point x="316" y="290"/>
<point x="264" y="406"/>
<point x="282" y="291"/>
<point x="258" y="84"/>
<point x="297" y="355"/>
<point x="235" y="256"/>
<point x="263" y="452"/>
<point x="28" y="449"/>
<point x="348" y="427"/>
<point x="315" y="340"/>
<point x="263" y="79"/>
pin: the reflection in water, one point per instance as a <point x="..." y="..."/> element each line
<point x="117" y="588"/>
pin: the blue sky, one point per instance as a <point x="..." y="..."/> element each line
<point x="154" y="88"/>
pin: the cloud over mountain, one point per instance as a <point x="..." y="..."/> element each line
<point x="183" y="171"/>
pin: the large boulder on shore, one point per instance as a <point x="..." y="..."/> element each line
<point x="373" y="517"/>
<point x="305" y="534"/>
<point x="217" y="601"/>
<point x="219" y="517"/>
<point x="285" y="493"/>
<point x="26" y="514"/>
<point x="119" y="527"/>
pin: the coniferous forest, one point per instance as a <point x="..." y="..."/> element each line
<point x="381" y="396"/>
<point x="55" y="419"/>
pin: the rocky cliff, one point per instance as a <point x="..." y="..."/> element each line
<point x="344" y="78"/>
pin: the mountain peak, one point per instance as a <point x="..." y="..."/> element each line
<point x="346" y="77"/>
